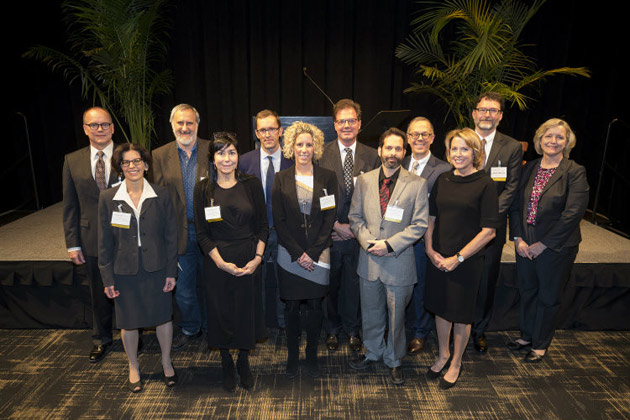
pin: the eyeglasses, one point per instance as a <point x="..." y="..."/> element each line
<point x="492" y="111"/>
<point x="126" y="163"/>
<point x="350" y="121"/>
<point x="95" y="126"/>
<point x="265" y="131"/>
<point x="416" y="136"/>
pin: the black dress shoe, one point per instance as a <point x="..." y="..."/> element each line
<point x="355" y="343"/>
<point x="416" y="345"/>
<point x="396" y="375"/>
<point x="98" y="352"/>
<point x="332" y="342"/>
<point x="171" y="381"/>
<point x="481" y="344"/>
<point x="183" y="339"/>
<point x="533" y="357"/>
<point x="360" y="363"/>
<point x="431" y="374"/>
<point x="515" y="346"/>
<point x="135" y="387"/>
<point x="444" y="384"/>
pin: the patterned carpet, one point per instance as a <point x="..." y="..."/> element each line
<point x="45" y="374"/>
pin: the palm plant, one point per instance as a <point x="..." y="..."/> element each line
<point x="116" y="48"/>
<point x="484" y="53"/>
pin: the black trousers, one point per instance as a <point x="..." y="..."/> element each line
<point x="102" y="306"/>
<point x="541" y="282"/>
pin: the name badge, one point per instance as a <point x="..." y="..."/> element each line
<point x="394" y="213"/>
<point x="121" y="220"/>
<point x="213" y="214"/>
<point x="498" y="173"/>
<point x="327" y="201"/>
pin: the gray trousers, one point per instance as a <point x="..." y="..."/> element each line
<point x="383" y="305"/>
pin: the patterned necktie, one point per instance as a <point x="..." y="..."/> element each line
<point x="348" y="167"/>
<point x="384" y="194"/>
<point x="99" y="172"/>
<point x="415" y="167"/>
<point x="483" y="149"/>
<point x="268" y="188"/>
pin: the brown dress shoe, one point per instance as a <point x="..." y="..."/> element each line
<point x="355" y="343"/>
<point x="416" y="345"/>
<point x="332" y="342"/>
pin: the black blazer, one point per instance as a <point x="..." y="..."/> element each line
<point x="365" y="160"/>
<point x="561" y="206"/>
<point x="249" y="163"/>
<point x="168" y="172"/>
<point x="118" y="247"/>
<point x="510" y="153"/>
<point x="80" y="201"/>
<point x="287" y="216"/>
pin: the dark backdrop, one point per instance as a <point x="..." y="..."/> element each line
<point x="232" y="58"/>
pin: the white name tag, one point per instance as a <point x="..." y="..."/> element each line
<point x="327" y="202"/>
<point x="213" y="214"/>
<point x="498" y="173"/>
<point x="394" y="214"/>
<point x="121" y="220"/>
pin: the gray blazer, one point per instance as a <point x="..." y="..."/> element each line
<point x="432" y="169"/>
<point x="367" y="223"/>
<point x="168" y="172"/>
<point x="118" y="248"/>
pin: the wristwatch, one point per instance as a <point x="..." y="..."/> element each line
<point x="460" y="257"/>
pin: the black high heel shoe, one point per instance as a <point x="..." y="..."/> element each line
<point x="444" y="384"/>
<point x="516" y="346"/>
<point x="431" y="374"/>
<point x="171" y="381"/>
<point x="135" y="387"/>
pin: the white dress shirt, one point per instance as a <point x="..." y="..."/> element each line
<point x="123" y="195"/>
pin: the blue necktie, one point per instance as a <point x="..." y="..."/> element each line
<point x="268" y="188"/>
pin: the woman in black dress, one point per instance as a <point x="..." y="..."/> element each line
<point x="138" y="257"/>
<point x="231" y="224"/>
<point x="545" y="224"/>
<point x="463" y="210"/>
<point x="303" y="215"/>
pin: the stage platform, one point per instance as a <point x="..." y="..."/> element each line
<point x="41" y="288"/>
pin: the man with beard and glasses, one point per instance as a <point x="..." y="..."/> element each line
<point x="503" y="157"/>
<point x="388" y="214"/>
<point x="178" y="165"/>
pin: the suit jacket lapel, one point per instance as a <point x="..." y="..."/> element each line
<point x="202" y="154"/>
<point x="557" y="175"/>
<point x="173" y="161"/>
<point x="497" y="144"/>
<point x="401" y="184"/>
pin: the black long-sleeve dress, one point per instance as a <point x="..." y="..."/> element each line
<point x="234" y="304"/>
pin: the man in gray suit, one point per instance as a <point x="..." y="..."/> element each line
<point x="421" y="162"/>
<point x="178" y="165"/>
<point x="86" y="173"/>
<point x="348" y="159"/>
<point x="503" y="163"/>
<point x="388" y="214"/>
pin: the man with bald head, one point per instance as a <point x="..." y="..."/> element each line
<point x="86" y="172"/>
<point x="421" y="162"/>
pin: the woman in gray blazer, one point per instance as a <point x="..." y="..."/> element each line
<point x="137" y="257"/>
<point x="545" y="224"/>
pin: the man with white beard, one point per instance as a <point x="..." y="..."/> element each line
<point x="178" y="165"/>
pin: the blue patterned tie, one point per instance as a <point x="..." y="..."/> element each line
<point x="268" y="188"/>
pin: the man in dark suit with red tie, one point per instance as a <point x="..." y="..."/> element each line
<point x="86" y="173"/>
<point x="264" y="163"/>
<point x="348" y="159"/>
<point x="503" y="163"/>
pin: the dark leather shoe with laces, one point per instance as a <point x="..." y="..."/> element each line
<point x="182" y="339"/>
<point x="481" y="344"/>
<point x="98" y="352"/>
<point x="360" y="363"/>
<point x="396" y="375"/>
<point x="332" y="342"/>
<point x="355" y="343"/>
<point x="515" y="346"/>
<point x="416" y="345"/>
